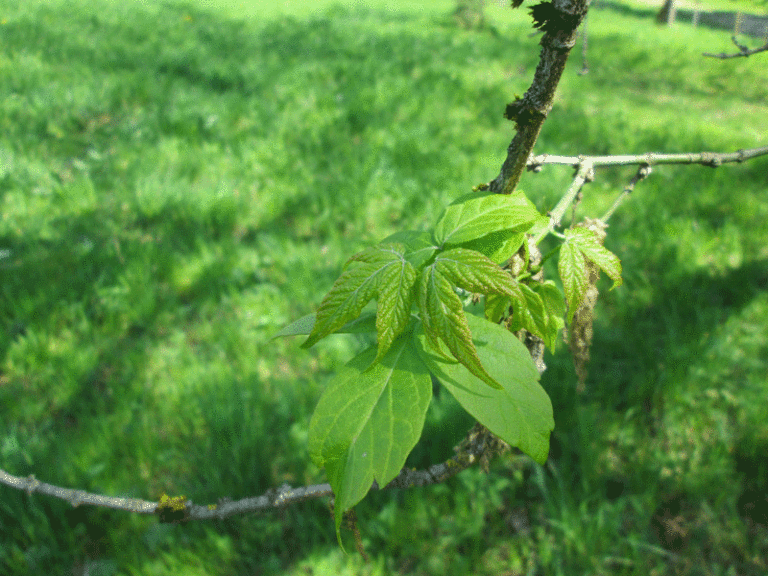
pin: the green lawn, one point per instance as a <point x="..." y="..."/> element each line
<point x="178" y="181"/>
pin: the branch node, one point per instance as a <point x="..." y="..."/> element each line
<point x="711" y="160"/>
<point x="32" y="484"/>
<point x="281" y="496"/>
<point x="78" y="496"/>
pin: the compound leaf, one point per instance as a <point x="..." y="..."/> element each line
<point x="520" y="412"/>
<point x="380" y="272"/>
<point x="582" y="245"/>
<point x="591" y="246"/>
<point x="496" y="307"/>
<point x="442" y="314"/>
<point x="368" y="420"/>
<point x="474" y="272"/>
<point x="442" y="311"/>
<point x="529" y="312"/>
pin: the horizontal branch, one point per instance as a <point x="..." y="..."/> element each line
<point x="585" y="172"/>
<point x="742" y="53"/>
<point x="478" y="446"/>
<point x="30" y="484"/>
<point x="712" y="159"/>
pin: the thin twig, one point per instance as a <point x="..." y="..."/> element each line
<point x="30" y="484"/>
<point x="642" y="173"/>
<point x="585" y="172"/>
<point x="585" y="166"/>
<point x="474" y="448"/>
<point x="712" y="159"/>
<point x="743" y="52"/>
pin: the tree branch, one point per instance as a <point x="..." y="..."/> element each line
<point x="743" y="51"/>
<point x="712" y="159"/>
<point x="642" y="173"/>
<point x="478" y="446"/>
<point x="585" y="166"/>
<point x="559" y="20"/>
<point x="30" y="484"/>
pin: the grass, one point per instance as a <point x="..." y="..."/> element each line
<point x="178" y="181"/>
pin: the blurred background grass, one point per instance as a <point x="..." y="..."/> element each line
<point x="179" y="180"/>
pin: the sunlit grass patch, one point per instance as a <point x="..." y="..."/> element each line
<point x="178" y="181"/>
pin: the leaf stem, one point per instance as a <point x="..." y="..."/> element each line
<point x="584" y="173"/>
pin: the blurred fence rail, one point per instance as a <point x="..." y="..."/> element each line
<point x="752" y="25"/>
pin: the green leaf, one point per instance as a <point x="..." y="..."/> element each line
<point x="442" y="314"/>
<point x="380" y="254"/>
<point x="573" y="272"/>
<point x="381" y="272"/>
<point x="529" y="313"/>
<point x="476" y="215"/>
<point x="540" y="311"/>
<point x="298" y="327"/>
<point x="520" y="413"/>
<point x="582" y="244"/>
<point x="474" y="272"/>
<point x="590" y="244"/>
<point x="369" y="420"/>
<point x="497" y="246"/>
<point x="303" y="326"/>
<point x="554" y="306"/>
<point x="496" y="307"/>
<point x="394" y="304"/>
<point x="419" y="246"/>
<point x="442" y="311"/>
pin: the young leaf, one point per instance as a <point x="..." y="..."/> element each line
<point x="540" y="311"/>
<point x="369" y="420"/>
<point x="554" y="307"/>
<point x="591" y="245"/>
<point x="379" y="254"/>
<point x="419" y="247"/>
<point x="520" y="413"/>
<point x="303" y="326"/>
<point x="384" y="273"/>
<point x="496" y="307"/>
<point x="573" y="272"/>
<point x="582" y="245"/>
<point x="474" y="216"/>
<point x="497" y="246"/>
<point x="394" y="304"/>
<point x="442" y="314"/>
<point x="475" y="272"/>
<point x="345" y="300"/>
<point x="442" y="311"/>
<point x="529" y="313"/>
<point x="298" y="327"/>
